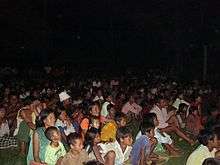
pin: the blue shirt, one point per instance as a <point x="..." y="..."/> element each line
<point x="142" y="142"/>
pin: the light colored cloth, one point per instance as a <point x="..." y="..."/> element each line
<point x="162" y="116"/>
<point x="162" y="138"/>
<point x="43" y="142"/>
<point x="63" y="127"/>
<point x="4" y="129"/>
<point x="104" y="111"/>
<point x="199" y="155"/>
<point x="97" y="98"/>
<point x="121" y="157"/>
<point x="71" y="159"/>
<point x="134" y="108"/>
<point x="52" y="154"/>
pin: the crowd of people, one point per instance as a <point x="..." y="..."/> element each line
<point x="57" y="117"/>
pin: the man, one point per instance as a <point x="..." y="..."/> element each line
<point x="167" y="121"/>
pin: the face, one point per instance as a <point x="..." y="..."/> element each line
<point x="50" y="120"/>
<point x="163" y="103"/>
<point x="123" y="122"/>
<point x="13" y="100"/>
<point x="151" y="133"/>
<point x="63" y="116"/>
<point x="2" y="113"/>
<point x="56" y="137"/>
<point x="95" y="110"/>
<point x="127" y="140"/>
<point x="78" y="145"/>
<point x="97" y="139"/>
<point x="156" y="122"/>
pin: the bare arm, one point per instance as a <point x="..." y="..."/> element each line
<point x="36" y="147"/>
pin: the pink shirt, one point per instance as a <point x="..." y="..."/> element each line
<point x="134" y="108"/>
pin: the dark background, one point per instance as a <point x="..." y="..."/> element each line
<point x="167" y="33"/>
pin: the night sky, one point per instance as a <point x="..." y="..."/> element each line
<point x="159" y="32"/>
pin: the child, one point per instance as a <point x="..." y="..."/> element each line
<point x="142" y="148"/>
<point x="193" y="122"/>
<point x="121" y="147"/>
<point x="92" y="139"/>
<point x="55" y="149"/>
<point x="77" y="155"/>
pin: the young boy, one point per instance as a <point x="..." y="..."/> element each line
<point x="121" y="147"/>
<point x="143" y="147"/>
<point x="55" y="149"/>
<point x="77" y="155"/>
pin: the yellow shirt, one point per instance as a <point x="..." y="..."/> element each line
<point x="108" y="132"/>
<point x="199" y="155"/>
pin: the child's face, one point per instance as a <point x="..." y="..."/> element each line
<point x="97" y="139"/>
<point x="127" y="140"/>
<point x="123" y="122"/>
<point x="63" y="116"/>
<point x="56" y="137"/>
<point x="78" y="145"/>
<point x="95" y="110"/>
<point x="156" y="122"/>
<point x="151" y="133"/>
<point x="2" y="113"/>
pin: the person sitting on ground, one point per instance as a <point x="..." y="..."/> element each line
<point x="55" y="150"/>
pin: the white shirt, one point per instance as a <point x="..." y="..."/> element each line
<point x="121" y="156"/>
<point x="162" y="116"/>
<point x="4" y="129"/>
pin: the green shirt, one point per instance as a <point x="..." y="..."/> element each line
<point x="52" y="154"/>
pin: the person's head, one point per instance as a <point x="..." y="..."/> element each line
<point x="208" y="138"/>
<point x="211" y="161"/>
<point x="182" y="108"/>
<point x="121" y="119"/>
<point x="53" y="134"/>
<point x="60" y="113"/>
<point x="94" y="109"/>
<point x="92" y="137"/>
<point x="161" y="102"/>
<point x="151" y="118"/>
<point x="46" y="118"/>
<point x="111" y="111"/>
<point x="147" y="129"/>
<point x="193" y="111"/>
<point x="13" y="99"/>
<point x="124" y="136"/>
<point x="75" y="142"/>
<point x="2" y="111"/>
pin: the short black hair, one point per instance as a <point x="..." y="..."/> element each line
<point x="146" y="127"/>
<point x="204" y="136"/>
<point x="123" y="132"/>
<point x="211" y="161"/>
<point x="72" y="137"/>
<point x="119" y="117"/>
<point x="49" y="132"/>
<point x="149" y="118"/>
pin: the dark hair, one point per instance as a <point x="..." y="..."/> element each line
<point x="58" y="111"/>
<point x="119" y="116"/>
<point x="122" y="132"/>
<point x="72" y="137"/>
<point x="149" y="118"/>
<point x="89" y="138"/>
<point x="42" y="116"/>
<point x="204" y="136"/>
<point x="49" y="132"/>
<point x="211" y="161"/>
<point x="146" y="127"/>
<point x="181" y="107"/>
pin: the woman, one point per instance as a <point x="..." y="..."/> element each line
<point x="39" y="141"/>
